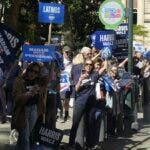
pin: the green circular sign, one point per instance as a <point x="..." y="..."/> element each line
<point x="111" y="13"/>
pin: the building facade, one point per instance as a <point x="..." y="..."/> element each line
<point x="142" y="7"/>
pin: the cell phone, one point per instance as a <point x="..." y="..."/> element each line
<point x="29" y="88"/>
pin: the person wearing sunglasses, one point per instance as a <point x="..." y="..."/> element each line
<point x="85" y="99"/>
<point x="29" y="95"/>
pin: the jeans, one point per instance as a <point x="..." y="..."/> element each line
<point x="23" y="142"/>
<point x="81" y="133"/>
<point x="77" y="115"/>
<point x="82" y="106"/>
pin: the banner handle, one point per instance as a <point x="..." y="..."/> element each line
<point x="49" y="33"/>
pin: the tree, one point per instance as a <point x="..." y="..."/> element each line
<point x="81" y="19"/>
<point x="140" y="32"/>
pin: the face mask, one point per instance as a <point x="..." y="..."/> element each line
<point x="139" y="65"/>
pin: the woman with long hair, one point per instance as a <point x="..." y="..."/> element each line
<point x="29" y="95"/>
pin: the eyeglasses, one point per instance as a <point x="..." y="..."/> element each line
<point x="88" y="64"/>
<point x="34" y="71"/>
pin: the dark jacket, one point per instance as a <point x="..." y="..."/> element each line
<point x="20" y="101"/>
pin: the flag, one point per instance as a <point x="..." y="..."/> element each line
<point x="10" y="43"/>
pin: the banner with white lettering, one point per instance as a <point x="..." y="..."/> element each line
<point x="38" y="53"/>
<point x="51" y="13"/>
<point x="10" y="43"/>
<point x="45" y="135"/>
<point x="138" y="47"/>
<point x="101" y="39"/>
<point x="121" y="50"/>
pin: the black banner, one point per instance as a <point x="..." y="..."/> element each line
<point x="10" y="43"/>
<point x="121" y="50"/>
<point x="46" y="135"/>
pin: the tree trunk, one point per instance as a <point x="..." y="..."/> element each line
<point x="12" y="15"/>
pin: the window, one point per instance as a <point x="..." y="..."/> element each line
<point x="146" y="11"/>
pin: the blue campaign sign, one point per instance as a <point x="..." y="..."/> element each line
<point x="51" y="13"/>
<point x="38" y="53"/>
<point x="102" y="39"/>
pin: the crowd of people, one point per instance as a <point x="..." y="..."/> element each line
<point x="31" y="92"/>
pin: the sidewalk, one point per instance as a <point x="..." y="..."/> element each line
<point x="137" y="141"/>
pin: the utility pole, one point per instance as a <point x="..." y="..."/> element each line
<point x="130" y="36"/>
<point x="134" y="124"/>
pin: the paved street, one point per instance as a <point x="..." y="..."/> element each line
<point x="136" y="141"/>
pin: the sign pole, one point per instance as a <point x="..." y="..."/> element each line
<point x="130" y="45"/>
<point x="134" y="125"/>
<point x="130" y="37"/>
<point x="49" y="33"/>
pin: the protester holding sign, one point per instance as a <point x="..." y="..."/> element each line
<point x="112" y="101"/>
<point x="29" y="95"/>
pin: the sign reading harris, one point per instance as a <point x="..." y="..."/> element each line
<point x="51" y="13"/>
<point x="38" y="53"/>
<point x="102" y="39"/>
<point x="49" y="137"/>
<point x="10" y="43"/>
